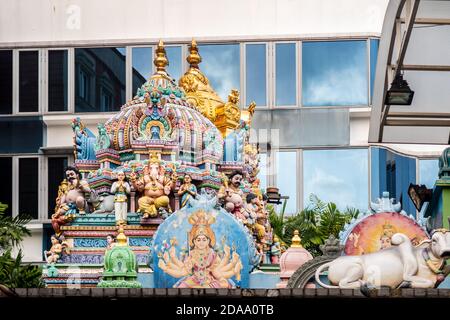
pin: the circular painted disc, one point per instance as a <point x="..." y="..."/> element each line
<point x="374" y="232"/>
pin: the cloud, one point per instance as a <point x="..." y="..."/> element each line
<point x="220" y="63"/>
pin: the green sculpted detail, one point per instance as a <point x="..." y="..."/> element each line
<point x="120" y="268"/>
<point x="102" y="141"/>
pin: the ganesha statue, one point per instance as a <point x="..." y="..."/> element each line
<point x="155" y="187"/>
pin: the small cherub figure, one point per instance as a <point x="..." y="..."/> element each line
<point x="111" y="241"/>
<point x="58" y="247"/>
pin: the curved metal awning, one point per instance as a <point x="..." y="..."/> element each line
<point x="415" y="41"/>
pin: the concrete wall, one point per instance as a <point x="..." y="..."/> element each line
<point x="68" y="20"/>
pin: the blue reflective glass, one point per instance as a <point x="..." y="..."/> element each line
<point x="262" y="174"/>
<point x="393" y="173"/>
<point x="142" y="67"/>
<point x="255" y="75"/>
<point x="285" y="71"/>
<point x="334" y="73"/>
<point x="373" y="62"/>
<point x="221" y="64"/>
<point x="175" y="67"/>
<point x="339" y="176"/>
<point x="428" y="172"/>
<point x="286" y="181"/>
<point x="99" y="79"/>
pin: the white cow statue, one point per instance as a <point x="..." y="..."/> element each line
<point x="402" y="265"/>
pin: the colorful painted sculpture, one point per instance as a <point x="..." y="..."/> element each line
<point x="203" y="267"/>
<point x="402" y="265"/>
<point x="231" y="195"/>
<point x="120" y="267"/>
<point x="187" y="190"/>
<point x="121" y="189"/>
<point x="72" y="201"/>
<point x="59" y="246"/>
<point x="110" y="241"/>
<point x="156" y="188"/>
<point x="165" y="131"/>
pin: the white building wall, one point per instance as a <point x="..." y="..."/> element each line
<point x="95" y="20"/>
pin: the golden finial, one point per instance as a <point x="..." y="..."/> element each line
<point x="121" y="237"/>
<point x="194" y="57"/>
<point x="161" y="59"/>
<point x="296" y="241"/>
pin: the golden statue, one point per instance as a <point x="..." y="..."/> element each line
<point x="203" y="267"/>
<point x="156" y="187"/>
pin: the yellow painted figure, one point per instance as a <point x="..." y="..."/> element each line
<point x="155" y="186"/>
<point x="203" y="267"/>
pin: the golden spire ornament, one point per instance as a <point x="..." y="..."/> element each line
<point x="296" y="240"/>
<point x="160" y="60"/>
<point x="194" y="57"/>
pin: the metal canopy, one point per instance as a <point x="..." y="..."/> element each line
<point x="415" y="41"/>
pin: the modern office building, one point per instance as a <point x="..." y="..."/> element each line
<point x="317" y="70"/>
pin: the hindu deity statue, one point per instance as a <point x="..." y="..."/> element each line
<point x="72" y="200"/>
<point x="110" y="241"/>
<point x="155" y="186"/>
<point x="275" y="250"/>
<point x="251" y="209"/>
<point x="187" y="190"/>
<point x="120" y="189"/>
<point x="231" y="195"/>
<point x="58" y="247"/>
<point x="203" y="267"/>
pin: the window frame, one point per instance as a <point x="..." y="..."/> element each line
<point x="16" y="186"/>
<point x="70" y="81"/>
<point x="298" y="71"/>
<point x="16" y="83"/>
<point x="268" y="81"/>
<point x="366" y="39"/>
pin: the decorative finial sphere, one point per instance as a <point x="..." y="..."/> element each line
<point x="194" y="57"/>
<point x="296" y="240"/>
<point x="160" y="60"/>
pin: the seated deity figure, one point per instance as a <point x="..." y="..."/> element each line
<point x="120" y="189"/>
<point x="203" y="267"/>
<point x="58" y="246"/>
<point x="231" y="195"/>
<point x="155" y="186"/>
<point x="187" y="190"/>
<point x="70" y="199"/>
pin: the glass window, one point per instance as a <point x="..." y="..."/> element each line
<point x="339" y="176"/>
<point x="56" y="174"/>
<point x="99" y="79"/>
<point x="21" y="134"/>
<point x="214" y="59"/>
<point x="286" y="174"/>
<point x="175" y="66"/>
<point x="373" y="62"/>
<point x="6" y="80"/>
<point x="28" y="187"/>
<point x="285" y="71"/>
<point x="334" y="73"/>
<point x="255" y="75"/>
<point x="57" y="80"/>
<point x="428" y="172"/>
<point x="142" y="66"/>
<point x="393" y="173"/>
<point x="28" y="81"/>
<point x="6" y="185"/>
<point x="262" y="174"/>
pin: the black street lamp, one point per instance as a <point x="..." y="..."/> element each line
<point x="399" y="93"/>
